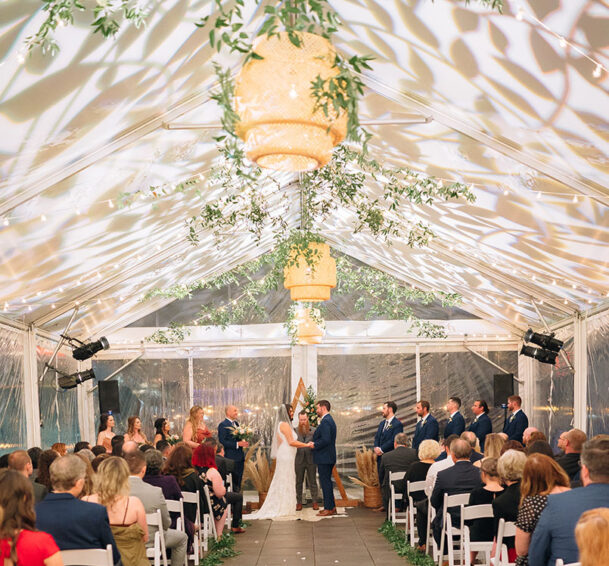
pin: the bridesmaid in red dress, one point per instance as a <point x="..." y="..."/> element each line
<point x="195" y="430"/>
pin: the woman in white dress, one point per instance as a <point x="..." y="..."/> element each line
<point x="280" y="501"/>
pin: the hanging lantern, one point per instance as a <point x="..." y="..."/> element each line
<point x="273" y="99"/>
<point x="311" y="283"/>
<point x="308" y="330"/>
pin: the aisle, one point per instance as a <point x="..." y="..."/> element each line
<point x="353" y="540"/>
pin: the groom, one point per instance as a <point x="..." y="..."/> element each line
<point x="324" y="455"/>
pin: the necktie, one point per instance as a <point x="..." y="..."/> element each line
<point x="386" y="426"/>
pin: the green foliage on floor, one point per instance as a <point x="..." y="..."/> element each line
<point x="396" y="537"/>
<point x="224" y="547"/>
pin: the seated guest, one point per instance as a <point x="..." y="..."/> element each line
<point x="535" y="437"/>
<point x="153" y="499"/>
<point x="463" y="477"/>
<point x="34" y="453"/>
<point x="511" y="445"/>
<point x="539" y="447"/>
<point x="82" y="445"/>
<point x="493" y="444"/>
<point x="481" y="530"/>
<point x="44" y="462"/>
<point x="429" y="450"/>
<point x="145" y="447"/>
<point x="86" y="453"/>
<point x="400" y="459"/>
<point x="20" y="543"/>
<point x="129" y="446"/>
<point x="472" y="439"/>
<point x="89" y="474"/>
<point x="572" y="445"/>
<point x="505" y="506"/>
<point x="60" y="448"/>
<point x="116" y="444"/>
<point x="560" y="443"/>
<point x="98" y="460"/>
<point x="4" y="462"/>
<point x="592" y="537"/>
<point x="554" y="536"/>
<point x="224" y="465"/>
<point x="527" y="434"/>
<point x="21" y="462"/>
<point x="439" y="465"/>
<point x="541" y="476"/>
<point x="97" y="450"/>
<point x="164" y="448"/>
<point x="126" y="513"/>
<point x="206" y="460"/>
<point x="82" y="524"/>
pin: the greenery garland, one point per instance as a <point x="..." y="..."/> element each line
<point x="224" y="547"/>
<point x="397" y="538"/>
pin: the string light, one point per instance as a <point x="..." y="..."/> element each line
<point x="562" y="42"/>
<point x="597" y="71"/>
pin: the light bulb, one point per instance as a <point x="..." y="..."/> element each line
<point x="597" y="71"/>
<point x="110" y="204"/>
<point x="562" y="42"/>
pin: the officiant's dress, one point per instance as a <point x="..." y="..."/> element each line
<point x="281" y="498"/>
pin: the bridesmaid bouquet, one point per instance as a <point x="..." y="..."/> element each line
<point x="173" y="439"/>
<point x="242" y="432"/>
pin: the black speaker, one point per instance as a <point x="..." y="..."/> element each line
<point x="108" y="397"/>
<point x="503" y="387"/>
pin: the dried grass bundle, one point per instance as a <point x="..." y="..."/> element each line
<point x="258" y="470"/>
<point x="365" y="460"/>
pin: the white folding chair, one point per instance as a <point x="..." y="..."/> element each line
<point x="505" y="530"/>
<point x="394" y="516"/>
<point x="412" y="487"/>
<point x="88" y="557"/>
<point x="157" y="551"/>
<point x="449" y="501"/>
<point x="469" y="513"/>
<point x="200" y="532"/>
<point x="174" y="506"/>
<point x="229" y="487"/>
<point x="211" y="513"/>
<point x="559" y="562"/>
<point x="431" y="515"/>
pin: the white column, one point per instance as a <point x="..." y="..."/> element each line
<point x="580" y="379"/>
<point x="191" y="380"/>
<point x="30" y="388"/>
<point x="304" y="365"/>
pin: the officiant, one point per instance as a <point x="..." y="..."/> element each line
<point x="304" y="462"/>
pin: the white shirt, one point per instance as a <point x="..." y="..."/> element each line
<point x="388" y="422"/>
<point x="453" y="414"/>
<point x="434" y="470"/>
<point x="515" y="412"/>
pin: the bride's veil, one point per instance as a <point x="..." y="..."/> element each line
<point x="282" y="416"/>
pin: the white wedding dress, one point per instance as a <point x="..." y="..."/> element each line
<point x="280" y="502"/>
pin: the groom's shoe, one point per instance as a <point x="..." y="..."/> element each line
<point x="298" y="506"/>
<point x="315" y="506"/>
<point x="327" y="512"/>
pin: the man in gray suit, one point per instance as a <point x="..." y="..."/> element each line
<point x="153" y="499"/>
<point x="304" y="462"/>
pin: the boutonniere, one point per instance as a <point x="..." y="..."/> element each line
<point x="511" y="418"/>
<point x="450" y="419"/>
<point x="389" y="426"/>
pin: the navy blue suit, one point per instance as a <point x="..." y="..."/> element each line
<point x="515" y="425"/>
<point x="554" y="535"/>
<point x="384" y="438"/>
<point x="75" y="524"/>
<point x="324" y="455"/>
<point x="427" y="431"/>
<point x="455" y="425"/>
<point x="231" y="450"/>
<point x="481" y="427"/>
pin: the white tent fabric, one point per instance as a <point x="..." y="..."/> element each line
<point x="502" y="106"/>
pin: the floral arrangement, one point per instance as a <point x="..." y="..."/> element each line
<point x="309" y="406"/>
<point x="242" y="432"/>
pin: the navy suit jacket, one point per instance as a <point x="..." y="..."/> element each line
<point x="481" y="428"/>
<point x="515" y="425"/>
<point x="384" y="438"/>
<point x="427" y="431"/>
<point x="226" y="438"/>
<point x="455" y="425"/>
<point x="554" y="535"/>
<point x="75" y="524"/>
<point x="324" y="439"/>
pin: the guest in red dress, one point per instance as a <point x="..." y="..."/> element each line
<point x="195" y="430"/>
<point x="19" y="541"/>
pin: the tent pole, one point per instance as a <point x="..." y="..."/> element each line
<point x="491" y="362"/>
<point x="118" y="370"/>
<point x="59" y="344"/>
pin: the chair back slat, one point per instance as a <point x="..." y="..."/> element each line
<point x="413" y="486"/>
<point x="88" y="557"/>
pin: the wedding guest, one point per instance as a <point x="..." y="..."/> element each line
<point x="233" y="448"/>
<point x="81" y="445"/>
<point x="592" y="537"/>
<point x="400" y="459"/>
<point x="536" y="436"/>
<point x="86" y="453"/>
<point x="97" y="450"/>
<point x="224" y="465"/>
<point x="539" y="447"/>
<point x="304" y="464"/>
<point x="129" y="446"/>
<point x="164" y="448"/>
<point x="386" y="432"/>
<point x="472" y="440"/>
<point x="427" y="426"/>
<point x="126" y="513"/>
<point x="20" y="542"/>
<point x="206" y="458"/>
<point x="60" y="448"/>
<point x="541" y="477"/>
<point x="493" y="444"/>
<point x="34" y="453"/>
<point x="44" y="462"/>
<point x="105" y="434"/>
<point x="195" y="430"/>
<point x="97" y="462"/>
<point x="439" y="465"/>
<point x="161" y="430"/>
<point x="573" y="443"/>
<point x="560" y="444"/>
<point x="505" y="506"/>
<point x="134" y="431"/>
<point x="517" y="422"/>
<point x="456" y="422"/>
<point x="4" y="462"/>
<point x="527" y="434"/>
<point x="116" y="445"/>
<point x="481" y="425"/>
<point x="20" y="461"/>
<point x="89" y="483"/>
<point x="511" y="445"/>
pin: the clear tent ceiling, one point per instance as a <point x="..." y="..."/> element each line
<point x="503" y="107"/>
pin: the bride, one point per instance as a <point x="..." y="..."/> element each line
<point x="281" y="498"/>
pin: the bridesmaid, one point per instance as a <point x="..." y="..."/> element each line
<point x="105" y="434"/>
<point x="195" y="430"/>
<point x="161" y="426"/>
<point x="134" y="431"/>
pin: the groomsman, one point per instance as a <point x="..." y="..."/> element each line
<point x="456" y="422"/>
<point x="387" y="430"/>
<point x="517" y="421"/>
<point x="324" y="455"/>
<point x="427" y="427"/>
<point x="233" y="450"/>
<point x="481" y="425"/>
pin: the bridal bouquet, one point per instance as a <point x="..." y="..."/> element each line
<point x="242" y="432"/>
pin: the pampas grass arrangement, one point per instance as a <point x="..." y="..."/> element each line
<point x="258" y="469"/>
<point x="365" y="460"/>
